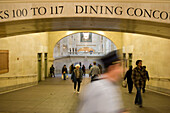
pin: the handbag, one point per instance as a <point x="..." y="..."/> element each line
<point x="62" y="77"/>
<point x="124" y="84"/>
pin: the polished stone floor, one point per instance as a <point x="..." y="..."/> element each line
<point x="55" y="95"/>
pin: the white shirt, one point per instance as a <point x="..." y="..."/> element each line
<point x="102" y="96"/>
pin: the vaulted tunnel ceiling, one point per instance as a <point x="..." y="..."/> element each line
<point x="13" y="28"/>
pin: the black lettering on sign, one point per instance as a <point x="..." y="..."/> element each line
<point x="19" y="13"/>
<point x="57" y="10"/>
<point x="98" y="9"/>
<point x="34" y="13"/>
<point x="80" y="9"/>
<point x="138" y="12"/>
<point x="163" y="15"/>
<point x="154" y="15"/>
<point x="130" y="11"/>
<point x="1" y="17"/>
<point x="4" y="14"/>
<point x="42" y="10"/>
<point x="118" y="12"/>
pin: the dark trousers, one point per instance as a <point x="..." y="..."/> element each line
<point x="144" y="87"/>
<point x="52" y="74"/>
<point x="130" y="87"/>
<point x="64" y="75"/>
<point x="75" y="84"/>
<point x="138" y="99"/>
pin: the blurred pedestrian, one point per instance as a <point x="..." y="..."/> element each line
<point x="90" y="66"/>
<point x="71" y="68"/>
<point x="77" y="77"/>
<point x="103" y="95"/>
<point x="138" y="75"/>
<point x="84" y="70"/>
<point x="146" y="77"/>
<point x="94" y="71"/>
<point x="129" y="79"/>
<point x="64" y="72"/>
<point x="52" y="71"/>
<point x="100" y="67"/>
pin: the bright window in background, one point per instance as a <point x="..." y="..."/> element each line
<point x="85" y="37"/>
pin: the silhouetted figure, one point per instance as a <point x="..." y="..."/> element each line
<point x="90" y="66"/>
<point x="64" y="71"/>
<point x="129" y="79"/>
<point x="71" y="68"/>
<point x="100" y="67"/>
<point x="84" y="70"/>
<point x="52" y="71"/>
<point x="146" y="77"/>
<point x="80" y="65"/>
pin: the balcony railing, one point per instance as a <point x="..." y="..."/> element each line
<point x="81" y="54"/>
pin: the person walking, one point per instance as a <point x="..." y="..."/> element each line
<point x="103" y="95"/>
<point x="129" y="79"/>
<point x="94" y="71"/>
<point x="146" y="77"/>
<point x="90" y="66"/>
<point x="100" y="67"/>
<point x="77" y="77"/>
<point x="138" y="75"/>
<point x="64" y="72"/>
<point x="84" y="70"/>
<point x="52" y="71"/>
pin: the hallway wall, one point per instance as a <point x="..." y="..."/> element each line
<point x="23" y="65"/>
<point x="154" y="52"/>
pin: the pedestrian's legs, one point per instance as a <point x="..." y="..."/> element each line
<point x="75" y="83"/>
<point x="130" y="87"/>
<point x="144" y="87"/>
<point x="78" y="85"/>
<point x="64" y="76"/>
<point x="138" y="99"/>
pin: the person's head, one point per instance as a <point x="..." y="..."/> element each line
<point x="94" y="63"/>
<point x="77" y="66"/>
<point x="64" y="66"/>
<point x="144" y="67"/>
<point x="139" y="63"/>
<point x="113" y="64"/>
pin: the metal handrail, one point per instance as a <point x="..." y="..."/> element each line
<point x="160" y="79"/>
<point x="34" y="75"/>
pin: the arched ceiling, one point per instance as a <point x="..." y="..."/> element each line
<point x="84" y="23"/>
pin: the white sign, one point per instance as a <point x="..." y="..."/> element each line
<point x="143" y="11"/>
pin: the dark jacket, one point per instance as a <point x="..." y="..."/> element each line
<point x="73" y="75"/>
<point x="64" y="70"/>
<point x="51" y="69"/>
<point x="138" y="77"/>
<point x="146" y="75"/>
<point x="128" y="75"/>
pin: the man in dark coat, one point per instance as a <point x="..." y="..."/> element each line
<point x="146" y="77"/>
<point x="138" y="75"/>
<point x="129" y="79"/>
<point x="64" y="71"/>
<point x="77" y="76"/>
<point x="52" y="71"/>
